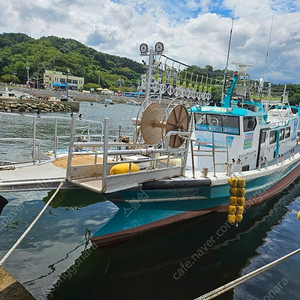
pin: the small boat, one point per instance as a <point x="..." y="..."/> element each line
<point x="182" y="161"/>
<point x="133" y="102"/>
<point x="65" y="98"/>
<point x="12" y="94"/>
<point x="106" y="101"/>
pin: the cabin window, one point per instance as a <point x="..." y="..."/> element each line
<point x="217" y="123"/>
<point x="281" y="134"/>
<point x="287" y="132"/>
<point x="249" y="123"/>
<point x="263" y="137"/>
<point x="272" y="136"/>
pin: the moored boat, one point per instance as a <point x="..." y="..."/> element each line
<point x="106" y="101"/>
<point x="182" y="161"/>
<point x="133" y="102"/>
<point x="240" y="140"/>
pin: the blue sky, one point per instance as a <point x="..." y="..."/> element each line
<point x="195" y="32"/>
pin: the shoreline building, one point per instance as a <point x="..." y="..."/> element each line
<point x="60" y="80"/>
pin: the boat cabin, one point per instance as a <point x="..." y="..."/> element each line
<point x="242" y="136"/>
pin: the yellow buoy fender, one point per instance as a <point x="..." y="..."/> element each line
<point x="231" y="219"/>
<point x="233" y="191"/>
<point x="298" y="216"/>
<point x="232" y="209"/>
<point x="239" y="209"/>
<point x="241" y="201"/>
<point x="233" y="200"/>
<point x="233" y="182"/>
<point x="241" y="183"/>
<point x="239" y="217"/>
<point x="241" y="192"/>
<point x="123" y="168"/>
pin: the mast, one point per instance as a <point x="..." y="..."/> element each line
<point x="261" y="80"/>
<point x="228" y="52"/>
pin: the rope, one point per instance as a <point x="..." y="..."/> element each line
<point x="232" y="284"/>
<point x="31" y="225"/>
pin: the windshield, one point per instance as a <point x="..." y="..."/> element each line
<point x="217" y="123"/>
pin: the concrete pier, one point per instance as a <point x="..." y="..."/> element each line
<point x="11" y="289"/>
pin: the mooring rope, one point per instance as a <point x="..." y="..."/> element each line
<point x="31" y="225"/>
<point x="232" y="284"/>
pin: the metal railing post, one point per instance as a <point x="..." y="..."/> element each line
<point x="213" y="153"/>
<point x="34" y="136"/>
<point x="105" y="155"/>
<point x="55" y="139"/>
<point x="70" y="153"/>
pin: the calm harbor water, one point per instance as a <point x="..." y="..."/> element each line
<point x="182" y="261"/>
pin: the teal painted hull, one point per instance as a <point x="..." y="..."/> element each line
<point x="197" y="197"/>
<point x="150" y="210"/>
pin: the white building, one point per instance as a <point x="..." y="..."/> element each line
<point x="55" y="79"/>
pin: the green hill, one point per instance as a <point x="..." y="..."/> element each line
<point x="18" y="50"/>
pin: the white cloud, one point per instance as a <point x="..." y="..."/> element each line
<point x="193" y="31"/>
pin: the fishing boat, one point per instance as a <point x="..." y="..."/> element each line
<point x="106" y="101"/>
<point x="133" y="102"/>
<point x="182" y="161"/>
<point x="224" y="158"/>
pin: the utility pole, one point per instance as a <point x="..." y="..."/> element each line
<point x="68" y="84"/>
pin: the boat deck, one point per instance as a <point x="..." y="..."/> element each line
<point x="25" y="177"/>
<point x="40" y="176"/>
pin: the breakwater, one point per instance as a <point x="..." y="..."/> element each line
<point x="31" y="105"/>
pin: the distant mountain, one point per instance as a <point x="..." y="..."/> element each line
<point x="17" y="51"/>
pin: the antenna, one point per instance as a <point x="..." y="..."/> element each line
<point x="228" y="52"/>
<point x="267" y="54"/>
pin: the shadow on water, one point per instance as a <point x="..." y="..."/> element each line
<point x="74" y="198"/>
<point x="181" y="261"/>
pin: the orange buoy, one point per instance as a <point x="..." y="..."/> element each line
<point x="232" y="209"/>
<point x="233" y="200"/>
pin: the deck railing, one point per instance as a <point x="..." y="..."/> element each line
<point x="41" y="134"/>
<point x="154" y="163"/>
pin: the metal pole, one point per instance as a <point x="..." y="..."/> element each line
<point x="105" y="155"/>
<point x="149" y="74"/>
<point x="70" y="153"/>
<point x="67" y="84"/>
<point x="55" y="140"/>
<point x="34" y="136"/>
<point x="213" y="154"/>
<point x="193" y="159"/>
